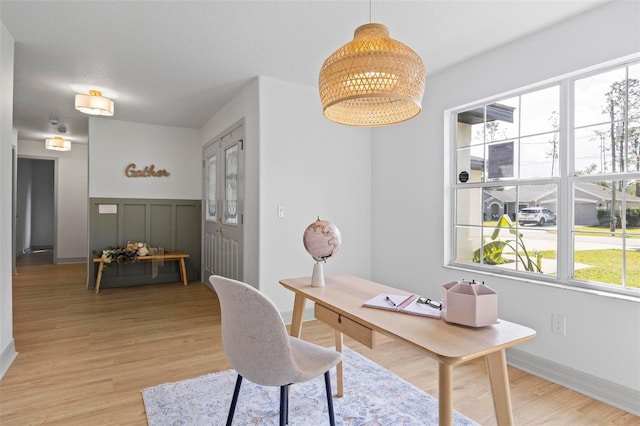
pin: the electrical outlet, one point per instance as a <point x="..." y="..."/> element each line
<point x="559" y="324"/>
<point x="280" y="212"/>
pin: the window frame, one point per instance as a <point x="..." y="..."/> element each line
<point x="565" y="207"/>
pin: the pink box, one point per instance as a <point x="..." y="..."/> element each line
<point x="469" y="303"/>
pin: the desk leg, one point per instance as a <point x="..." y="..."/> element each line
<point x="183" y="272"/>
<point x="445" y="389"/>
<point x="99" y="277"/>
<point x="298" y="311"/>
<point x="339" y="375"/>
<point x="499" y="377"/>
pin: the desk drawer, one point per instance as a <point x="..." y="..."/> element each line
<point x="355" y="330"/>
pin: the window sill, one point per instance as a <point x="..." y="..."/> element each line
<point x="620" y="294"/>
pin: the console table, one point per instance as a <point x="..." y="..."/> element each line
<point x="178" y="256"/>
<point x="339" y="304"/>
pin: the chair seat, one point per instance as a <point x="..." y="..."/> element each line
<point x="312" y="360"/>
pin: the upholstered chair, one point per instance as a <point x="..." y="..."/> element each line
<point x="257" y="344"/>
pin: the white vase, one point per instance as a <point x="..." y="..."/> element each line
<point x="317" y="279"/>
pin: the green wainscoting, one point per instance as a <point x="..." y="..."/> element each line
<point x="172" y="224"/>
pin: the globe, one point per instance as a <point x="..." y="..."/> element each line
<point x="322" y="240"/>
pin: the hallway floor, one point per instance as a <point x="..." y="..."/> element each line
<point x="37" y="257"/>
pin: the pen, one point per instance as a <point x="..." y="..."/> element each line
<point x="388" y="299"/>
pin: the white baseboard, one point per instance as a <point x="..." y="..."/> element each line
<point x="68" y="260"/>
<point x="611" y="393"/>
<point x="307" y="316"/>
<point x="7" y="356"/>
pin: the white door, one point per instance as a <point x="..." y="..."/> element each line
<point x="223" y="205"/>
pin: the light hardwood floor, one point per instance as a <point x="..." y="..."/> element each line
<point x="84" y="357"/>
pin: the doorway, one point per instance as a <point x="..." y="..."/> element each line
<point x="223" y="204"/>
<point x="35" y="210"/>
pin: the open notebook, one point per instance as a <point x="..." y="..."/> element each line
<point x="402" y="303"/>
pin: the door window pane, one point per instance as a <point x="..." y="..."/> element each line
<point x="212" y="173"/>
<point x="231" y="185"/>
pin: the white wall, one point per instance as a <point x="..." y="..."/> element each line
<point x="297" y="159"/>
<point x="313" y="168"/>
<point x="410" y="164"/>
<point x="7" y="141"/>
<point x="71" y="191"/>
<point x="114" y="144"/>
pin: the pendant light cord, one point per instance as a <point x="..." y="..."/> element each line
<point x="370" y="11"/>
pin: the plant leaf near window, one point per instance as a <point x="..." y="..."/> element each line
<point x="493" y="248"/>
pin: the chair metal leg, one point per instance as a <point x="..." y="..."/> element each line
<point x="284" y="405"/>
<point x="286" y="417"/>
<point x="327" y="385"/>
<point x="234" y="400"/>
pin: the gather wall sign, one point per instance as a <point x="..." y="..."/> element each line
<point x="133" y="171"/>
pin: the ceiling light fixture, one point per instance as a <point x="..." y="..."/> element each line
<point x="57" y="144"/>
<point x="373" y="80"/>
<point x="94" y="104"/>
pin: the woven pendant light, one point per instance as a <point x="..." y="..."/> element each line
<point x="373" y="80"/>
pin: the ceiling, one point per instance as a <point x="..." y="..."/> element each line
<point x="175" y="63"/>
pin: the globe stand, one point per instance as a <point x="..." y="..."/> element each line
<point x="317" y="279"/>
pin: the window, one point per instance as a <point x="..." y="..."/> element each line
<point x="547" y="182"/>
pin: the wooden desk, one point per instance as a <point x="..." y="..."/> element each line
<point x="179" y="256"/>
<point x="339" y="304"/>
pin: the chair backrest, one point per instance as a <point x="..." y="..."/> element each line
<point x="254" y="336"/>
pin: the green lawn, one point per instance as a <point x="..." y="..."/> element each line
<point x="595" y="231"/>
<point x="606" y="266"/>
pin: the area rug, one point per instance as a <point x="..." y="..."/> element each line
<point x="373" y="397"/>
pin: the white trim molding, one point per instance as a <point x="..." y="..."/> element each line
<point x="611" y="393"/>
<point x="7" y="357"/>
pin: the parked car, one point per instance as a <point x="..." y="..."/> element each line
<point x="536" y="215"/>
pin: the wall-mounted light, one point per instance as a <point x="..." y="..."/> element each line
<point x="57" y="144"/>
<point x="94" y="103"/>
